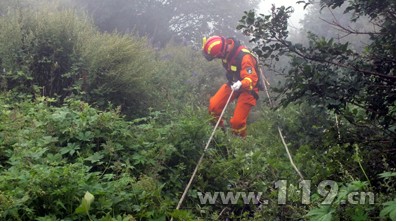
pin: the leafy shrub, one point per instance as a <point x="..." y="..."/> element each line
<point x="119" y="69"/>
<point x="61" y="54"/>
<point x="41" y="48"/>
<point x="51" y="156"/>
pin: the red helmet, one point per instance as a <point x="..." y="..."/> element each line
<point x="214" y="47"/>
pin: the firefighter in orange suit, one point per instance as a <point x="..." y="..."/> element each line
<point x="242" y="75"/>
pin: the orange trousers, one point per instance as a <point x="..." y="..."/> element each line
<point x="245" y="101"/>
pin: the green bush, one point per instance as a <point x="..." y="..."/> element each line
<point x="61" y="54"/>
<point x="51" y="156"/>
<point x="41" y="48"/>
<point x="119" y="69"/>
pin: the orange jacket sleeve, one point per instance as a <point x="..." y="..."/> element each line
<point x="248" y="73"/>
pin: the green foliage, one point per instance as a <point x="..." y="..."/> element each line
<point x="118" y="68"/>
<point x="344" y="100"/>
<point x="41" y="49"/>
<point x="85" y="204"/>
<point x="61" y="54"/>
<point x="324" y="213"/>
<point x="52" y="156"/>
<point x="389" y="211"/>
<point x="328" y="73"/>
<point x="63" y="159"/>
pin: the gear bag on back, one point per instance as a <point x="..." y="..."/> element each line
<point x="235" y="68"/>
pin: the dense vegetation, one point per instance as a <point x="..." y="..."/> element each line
<point x="103" y="126"/>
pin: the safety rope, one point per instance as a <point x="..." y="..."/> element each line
<point x="278" y="127"/>
<point x="202" y="155"/>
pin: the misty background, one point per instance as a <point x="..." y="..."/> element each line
<point x="186" y="22"/>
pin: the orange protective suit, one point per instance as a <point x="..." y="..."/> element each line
<point x="245" y="99"/>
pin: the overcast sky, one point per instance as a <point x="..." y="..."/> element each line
<point x="295" y="17"/>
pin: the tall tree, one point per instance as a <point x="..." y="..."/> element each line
<point x="330" y="72"/>
<point x="360" y="87"/>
